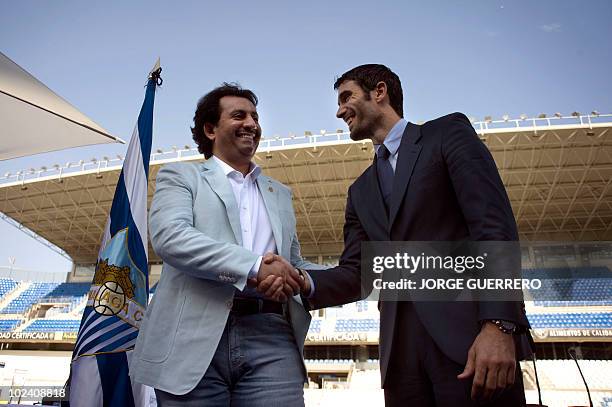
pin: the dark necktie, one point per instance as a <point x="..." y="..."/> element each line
<point x="385" y="173"/>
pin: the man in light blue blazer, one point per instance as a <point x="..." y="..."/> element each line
<point x="209" y="337"/>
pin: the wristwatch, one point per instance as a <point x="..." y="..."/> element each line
<point x="506" y="327"/>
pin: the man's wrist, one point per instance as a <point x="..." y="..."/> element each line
<point x="506" y="327"/>
<point x="307" y="283"/>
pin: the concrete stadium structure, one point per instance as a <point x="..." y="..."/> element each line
<point x="557" y="172"/>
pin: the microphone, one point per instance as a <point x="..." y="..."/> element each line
<point x="535" y="371"/>
<point x="572" y="353"/>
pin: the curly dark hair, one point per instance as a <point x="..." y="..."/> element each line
<point x="367" y="76"/>
<point x="208" y="111"/>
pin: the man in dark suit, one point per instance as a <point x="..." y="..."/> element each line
<point x="434" y="182"/>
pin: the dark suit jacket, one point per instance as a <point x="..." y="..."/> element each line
<point x="446" y="188"/>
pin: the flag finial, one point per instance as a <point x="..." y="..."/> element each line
<point x="156" y="72"/>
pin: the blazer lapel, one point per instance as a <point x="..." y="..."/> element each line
<point x="270" y="197"/>
<point x="408" y="154"/>
<point x="220" y="185"/>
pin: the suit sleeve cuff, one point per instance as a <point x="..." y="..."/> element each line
<point x="312" y="286"/>
<point x="255" y="269"/>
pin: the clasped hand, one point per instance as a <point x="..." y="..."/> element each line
<point x="277" y="279"/>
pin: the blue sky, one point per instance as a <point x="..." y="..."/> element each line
<point x="478" y="57"/>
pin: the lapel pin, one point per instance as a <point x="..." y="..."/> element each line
<point x="270" y="189"/>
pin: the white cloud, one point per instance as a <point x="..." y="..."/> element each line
<point x="551" y="28"/>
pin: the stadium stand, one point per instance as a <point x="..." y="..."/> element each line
<point x="53" y="325"/>
<point x="564" y="286"/>
<point x="328" y="361"/>
<point x="564" y="374"/>
<point x="71" y="293"/>
<point x="335" y="374"/>
<point x="315" y="326"/>
<point x="7" y="285"/>
<point x="559" y="379"/>
<point x="7" y="325"/>
<point x="67" y="291"/>
<point x="571" y="320"/>
<point x="27" y="298"/>
<point x="356" y="325"/>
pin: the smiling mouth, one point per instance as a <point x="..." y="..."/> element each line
<point x="249" y="136"/>
<point x="349" y="120"/>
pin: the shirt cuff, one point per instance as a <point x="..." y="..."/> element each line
<point x="255" y="269"/>
<point x="312" y="287"/>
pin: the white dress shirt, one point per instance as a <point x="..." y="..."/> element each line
<point x="393" y="141"/>
<point x="255" y="225"/>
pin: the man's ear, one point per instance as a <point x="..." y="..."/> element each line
<point x="380" y="91"/>
<point x="209" y="131"/>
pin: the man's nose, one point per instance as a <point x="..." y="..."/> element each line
<point x="340" y="112"/>
<point x="250" y="123"/>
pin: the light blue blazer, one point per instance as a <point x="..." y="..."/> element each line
<point x="194" y="226"/>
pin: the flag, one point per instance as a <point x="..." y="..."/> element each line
<point x="119" y="292"/>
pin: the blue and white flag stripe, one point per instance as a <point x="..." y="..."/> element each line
<point x="129" y="207"/>
<point x="131" y="193"/>
<point x="109" y="331"/>
<point x="119" y="293"/>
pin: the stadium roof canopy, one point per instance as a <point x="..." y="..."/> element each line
<point x="34" y="119"/>
<point x="557" y="171"/>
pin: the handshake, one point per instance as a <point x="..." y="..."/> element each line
<point x="278" y="280"/>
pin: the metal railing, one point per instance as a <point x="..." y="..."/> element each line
<point x="268" y="143"/>
<point x="19" y="274"/>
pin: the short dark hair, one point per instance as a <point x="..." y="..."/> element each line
<point x="209" y="111"/>
<point x="367" y="76"/>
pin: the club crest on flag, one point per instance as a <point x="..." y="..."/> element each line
<point x="111" y="297"/>
<point x="119" y="286"/>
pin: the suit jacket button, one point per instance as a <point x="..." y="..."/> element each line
<point x="229" y="304"/>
